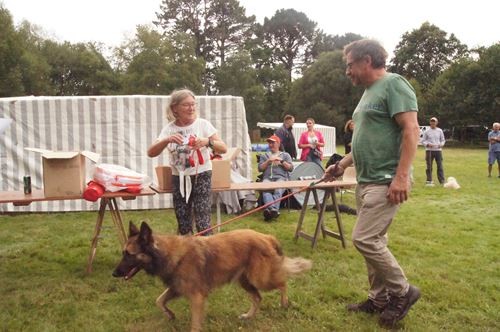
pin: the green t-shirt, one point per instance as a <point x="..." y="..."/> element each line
<point x="376" y="139"/>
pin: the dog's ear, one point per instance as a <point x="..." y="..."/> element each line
<point x="132" y="229"/>
<point x="146" y="234"/>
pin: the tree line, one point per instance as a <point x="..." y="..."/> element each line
<point x="285" y="65"/>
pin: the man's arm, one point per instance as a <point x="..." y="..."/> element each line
<point x="400" y="185"/>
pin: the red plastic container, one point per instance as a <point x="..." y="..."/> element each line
<point x="93" y="191"/>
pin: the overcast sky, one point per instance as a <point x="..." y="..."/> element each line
<point x="474" y="23"/>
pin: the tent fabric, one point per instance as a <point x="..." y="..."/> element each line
<point x="119" y="128"/>
<point x="299" y="127"/>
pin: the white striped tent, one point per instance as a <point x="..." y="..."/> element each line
<point x="119" y="128"/>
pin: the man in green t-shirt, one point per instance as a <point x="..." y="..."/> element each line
<point x="384" y="144"/>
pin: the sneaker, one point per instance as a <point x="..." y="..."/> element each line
<point x="367" y="307"/>
<point x="274" y="214"/>
<point x="267" y="215"/>
<point x="429" y="184"/>
<point x="398" y="307"/>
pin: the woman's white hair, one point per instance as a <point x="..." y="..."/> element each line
<point x="176" y="97"/>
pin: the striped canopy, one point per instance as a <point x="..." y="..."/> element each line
<point x="119" y="128"/>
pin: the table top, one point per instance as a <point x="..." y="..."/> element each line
<point x="262" y="186"/>
<point x="20" y="198"/>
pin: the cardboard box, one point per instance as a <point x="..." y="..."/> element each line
<point x="164" y="176"/>
<point x="221" y="173"/>
<point x="221" y="169"/>
<point x="64" y="173"/>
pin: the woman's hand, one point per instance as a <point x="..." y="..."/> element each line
<point x="175" y="138"/>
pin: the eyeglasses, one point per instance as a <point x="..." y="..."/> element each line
<point x="350" y="64"/>
<point x="188" y="105"/>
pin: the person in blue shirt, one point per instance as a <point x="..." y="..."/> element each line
<point x="494" y="150"/>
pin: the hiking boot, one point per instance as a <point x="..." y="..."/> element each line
<point x="274" y="214"/>
<point x="367" y="307"/>
<point x="398" y="307"/>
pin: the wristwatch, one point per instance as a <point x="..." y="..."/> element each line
<point x="210" y="144"/>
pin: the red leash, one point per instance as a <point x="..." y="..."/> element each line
<point x="312" y="184"/>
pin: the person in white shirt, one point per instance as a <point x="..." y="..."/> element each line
<point x="433" y="141"/>
<point x="188" y="140"/>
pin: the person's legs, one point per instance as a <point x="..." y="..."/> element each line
<point x="267" y="197"/>
<point x="183" y="211"/>
<point x="277" y="195"/>
<point x="438" y="155"/>
<point x="497" y="156"/>
<point x="428" y="162"/>
<point x="491" y="161"/>
<point x="375" y="214"/>
<point x="370" y="238"/>
<point x="201" y="198"/>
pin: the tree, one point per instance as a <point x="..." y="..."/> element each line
<point x="189" y="16"/>
<point x="425" y="52"/>
<point x="328" y="43"/>
<point x="289" y="34"/>
<point x="10" y="54"/>
<point x="238" y="78"/>
<point x="78" y="70"/>
<point x="467" y="92"/>
<point x="231" y="28"/>
<point x="152" y="65"/>
<point x="217" y="27"/>
<point x="35" y="68"/>
<point x="324" y="92"/>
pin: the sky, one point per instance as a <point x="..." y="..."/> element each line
<point x="111" y="22"/>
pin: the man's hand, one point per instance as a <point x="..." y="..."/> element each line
<point x="333" y="172"/>
<point x="399" y="190"/>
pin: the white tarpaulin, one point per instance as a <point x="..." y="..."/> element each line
<point x="298" y="128"/>
<point x="119" y="128"/>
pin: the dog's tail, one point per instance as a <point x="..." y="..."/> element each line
<point x="297" y="265"/>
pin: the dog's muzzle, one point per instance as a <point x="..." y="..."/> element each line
<point x="118" y="274"/>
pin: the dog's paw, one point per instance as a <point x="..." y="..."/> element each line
<point x="170" y="315"/>
<point x="246" y="316"/>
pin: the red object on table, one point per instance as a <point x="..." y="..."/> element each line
<point x="93" y="191"/>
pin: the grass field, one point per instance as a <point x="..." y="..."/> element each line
<point x="448" y="242"/>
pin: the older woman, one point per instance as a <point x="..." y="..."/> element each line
<point x="188" y="139"/>
<point x="311" y="142"/>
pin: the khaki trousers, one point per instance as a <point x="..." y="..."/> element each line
<point x="375" y="214"/>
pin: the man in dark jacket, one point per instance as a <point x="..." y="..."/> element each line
<point x="286" y="136"/>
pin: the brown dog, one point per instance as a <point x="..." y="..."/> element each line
<point x="193" y="266"/>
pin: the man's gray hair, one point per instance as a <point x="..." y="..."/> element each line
<point x="363" y="47"/>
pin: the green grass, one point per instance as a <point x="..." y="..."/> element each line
<point x="446" y="240"/>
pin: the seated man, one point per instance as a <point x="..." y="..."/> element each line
<point x="276" y="166"/>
